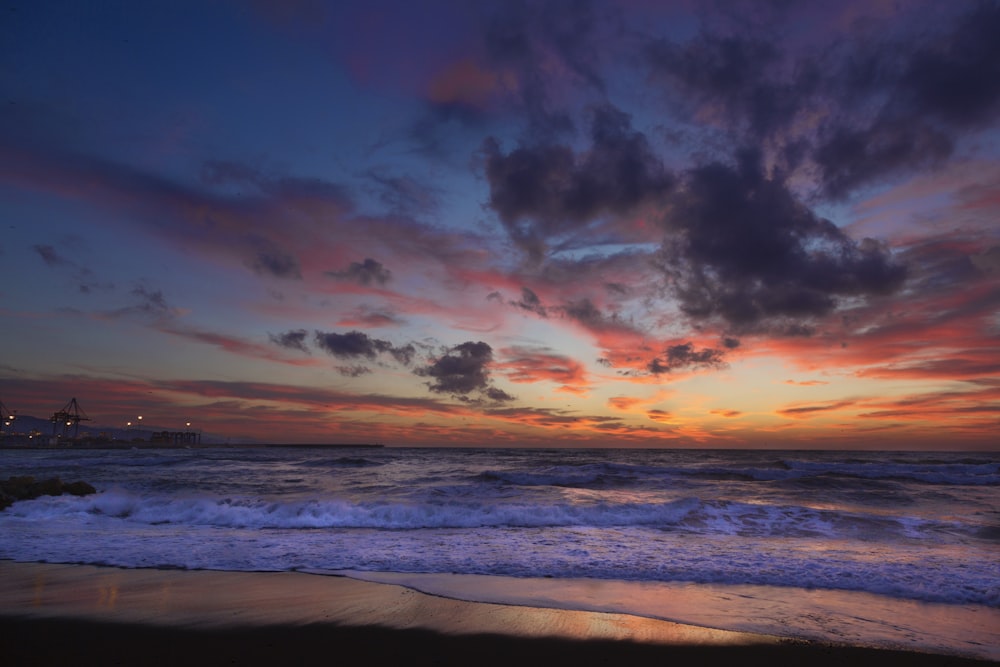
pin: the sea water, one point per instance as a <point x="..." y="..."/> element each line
<point x="918" y="528"/>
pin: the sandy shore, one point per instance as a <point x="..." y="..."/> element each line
<point x="92" y="615"/>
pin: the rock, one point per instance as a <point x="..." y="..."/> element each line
<point x="79" y="488"/>
<point x="27" y="488"/>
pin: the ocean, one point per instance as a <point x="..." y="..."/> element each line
<point x="919" y="530"/>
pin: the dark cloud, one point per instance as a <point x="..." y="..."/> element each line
<point x="353" y="371"/>
<point x="743" y="78"/>
<point x="365" y="273"/>
<point x="741" y="248"/>
<point x="850" y="158"/>
<point x="542" y="40"/>
<point x="355" y="344"/>
<point x="150" y="304"/>
<point x="887" y="102"/>
<point x="546" y="191"/>
<point x="684" y="355"/>
<point x="49" y="255"/>
<point x="404" y="354"/>
<point x="272" y="261"/>
<point x="942" y="87"/>
<point x="462" y="370"/>
<point x="83" y="275"/>
<point x="957" y="76"/>
<point x="529" y="301"/>
<point x="498" y="395"/>
<point x="586" y="313"/>
<point x="151" y="301"/>
<point x="293" y="340"/>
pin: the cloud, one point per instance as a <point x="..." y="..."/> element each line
<point x="741" y="248"/>
<point x="231" y="344"/>
<point x="545" y="192"/>
<point x="684" y="356"/>
<point x="149" y="304"/>
<point x="546" y="417"/>
<point x="661" y="416"/>
<point x="355" y="344"/>
<point x="548" y="47"/>
<point x="365" y="273"/>
<point x="368" y="316"/>
<point x="462" y="370"/>
<point x="852" y="157"/>
<point x="856" y="106"/>
<point x="524" y="364"/>
<point x="236" y="212"/>
<point x="586" y="313"/>
<point x="903" y="103"/>
<point x="50" y="256"/>
<point x="624" y="403"/>
<point x="292" y="340"/>
<point x="803" y="411"/>
<point x="83" y="275"/>
<point x="353" y="371"/>
<point x="530" y="302"/>
<point x="740" y="78"/>
<point x="270" y="260"/>
<point x="957" y="76"/>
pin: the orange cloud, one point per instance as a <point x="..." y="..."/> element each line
<point x="624" y="403"/>
<point x="800" y="411"/>
<point x="467" y="83"/>
<point x="660" y="416"/>
<point x="527" y="365"/>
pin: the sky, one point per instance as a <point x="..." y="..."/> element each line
<point x="552" y="223"/>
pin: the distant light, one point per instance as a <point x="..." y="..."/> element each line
<point x="189" y="424"/>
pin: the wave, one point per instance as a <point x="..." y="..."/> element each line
<point x="956" y="474"/>
<point x="687" y="515"/>
<point x="603" y="475"/>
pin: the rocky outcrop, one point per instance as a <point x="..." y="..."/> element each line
<point x="27" y="487"/>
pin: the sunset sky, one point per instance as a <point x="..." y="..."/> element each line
<point x="632" y="223"/>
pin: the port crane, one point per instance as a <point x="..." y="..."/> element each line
<point x="70" y="415"/>
<point x="6" y="417"/>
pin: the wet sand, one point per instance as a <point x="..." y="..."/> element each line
<point x="86" y="615"/>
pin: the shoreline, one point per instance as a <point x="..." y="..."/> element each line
<point x="856" y="618"/>
<point x="204" y="617"/>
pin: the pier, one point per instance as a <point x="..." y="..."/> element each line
<point x="176" y="438"/>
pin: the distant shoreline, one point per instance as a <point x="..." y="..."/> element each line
<point x="160" y="445"/>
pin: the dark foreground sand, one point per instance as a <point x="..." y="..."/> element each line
<point x="83" y="615"/>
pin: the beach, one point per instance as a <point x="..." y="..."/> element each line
<point x="82" y="614"/>
<point x="596" y="552"/>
